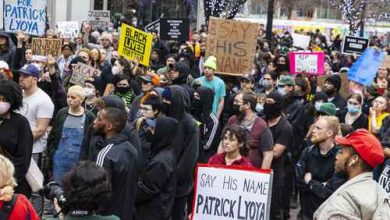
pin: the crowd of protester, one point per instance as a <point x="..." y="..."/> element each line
<point x="149" y="126"/>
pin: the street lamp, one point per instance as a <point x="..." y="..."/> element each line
<point x="270" y="18"/>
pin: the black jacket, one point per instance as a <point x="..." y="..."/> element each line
<point x="360" y="122"/>
<point x="321" y="168"/>
<point x="186" y="141"/>
<point x="156" y="185"/>
<point x="339" y="102"/>
<point x="120" y="159"/>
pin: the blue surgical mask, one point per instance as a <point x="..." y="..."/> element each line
<point x="317" y="105"/>
<point x="282" y="91"/>
<point x="151" y="122"/>
<point x="259" y="108"/>
<point x="353" y="109"/>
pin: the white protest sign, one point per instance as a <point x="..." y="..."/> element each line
<point x="28" y="16"/>
<point x="68" y="29"/>
<point x="231" y="193"/>
<point x="99" y="17"/>
<point x="300" y="40"/>
<point x="307" y="62"/>
<point x="82" y="72"/>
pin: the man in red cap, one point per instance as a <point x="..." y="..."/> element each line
<point x="360" y="197"/>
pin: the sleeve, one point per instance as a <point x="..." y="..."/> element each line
<point x="190" y="155"/>
<point x="285" y="136"/>
<point x="211" y="132"/>
<point x="266" y="140"/>
<point x="300" y="169"/>
<point x="222" y="89"/>
<point x="46" y="109"/>
<point x="151" y="181"/>
<point x="24" y="148"/>
<point x="324" y="191"/>
<point x="58" y="89"/>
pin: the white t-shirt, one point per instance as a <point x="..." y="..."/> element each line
<point x="37" y="105"/>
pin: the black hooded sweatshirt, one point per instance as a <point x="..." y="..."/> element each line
<point x="186" y="141"/>
<point x="202" y="111"/>
<point x="120" y="159"/>
<point x="156" y="185"/>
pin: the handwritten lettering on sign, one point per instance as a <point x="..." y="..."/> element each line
<point x="234" y="45"/>
<point x="46" y="46"/>
<point x="231" y="193"/>
<point x="82" y="72"/>
<point x="28" y="16"/>
<point x="307" y="62"/>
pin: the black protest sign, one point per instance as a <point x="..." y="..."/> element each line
<point x="354" y="45"/>
<point x="177" y="29"/>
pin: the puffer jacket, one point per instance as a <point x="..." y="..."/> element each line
<point x="359" y="198"/>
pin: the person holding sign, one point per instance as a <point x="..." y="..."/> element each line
<point x="235" y="149"/>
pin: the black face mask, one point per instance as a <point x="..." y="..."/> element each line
<point x="272" y="110"/>
<point x="165" y="107"/>
<point x="281" y="67"/>
<point x="236" y="109"/>
<point x="122" y="90"/>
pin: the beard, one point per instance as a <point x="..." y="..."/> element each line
<point x="99" y="131"/>
<point x="318" y="139"/>
<point x="342" y="170"/>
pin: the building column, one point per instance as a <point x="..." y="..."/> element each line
<point x="105" y="2"/>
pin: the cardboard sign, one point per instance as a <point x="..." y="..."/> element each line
<point x="300" y="40"/>
<point x="363" y="71"/>
<point x="155" y="25"/>
<point x="99" y="17"/>
<point x="68" y="29"/>
<point x="82" y="72"/>
<point x="175" y="29"/>
<point x="28" y="16"/>
<point x="46" y="46"/>
<point x="231" y="193"/>
<point x="234" y="45"/>
<point x="354" y="45"/>
<point x="135" y="44"/>
<point x="307" y="62"/>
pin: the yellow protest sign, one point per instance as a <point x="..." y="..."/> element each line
<point x="135" y="44"/>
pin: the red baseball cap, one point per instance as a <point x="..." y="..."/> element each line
<point x="366" y="145"/>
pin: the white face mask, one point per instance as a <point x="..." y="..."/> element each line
<point x="317" y="105"/>
<point x="4" y="107"/>
<point x="115" y="70"/>
<point x="89" y="92"/>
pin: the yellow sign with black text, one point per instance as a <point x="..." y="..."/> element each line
<point x="135" y="44"/>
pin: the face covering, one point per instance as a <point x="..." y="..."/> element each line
<point x="236" y="109"/>
<point x="272" y="110"/>
<point x="259" y="107"/>
<point x="4" y="107"/>
<point x="317" y="105"/>
<point x="122" y="90"/>
<point x="282" y="91"/>
<point x="115" y="70"/>
<point x="281" y="67"/>
<point x="267" y="84"/>
<point x="165" y="108"/>
<point x="151" y="122"/>
<point x="353" y="109"/>
<point x="89" y="92"/>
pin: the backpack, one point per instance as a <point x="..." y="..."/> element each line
<point x="7" y="208"/>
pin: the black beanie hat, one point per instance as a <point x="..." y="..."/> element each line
<point x="276" y="96"/>
<point x="335" y="80"/>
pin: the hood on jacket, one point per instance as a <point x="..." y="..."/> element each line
<point x="11" y="44"/>
<point x="114" y="101"/>
<point x="203" y="104"/>
<point x="184" y="72"/>
<point x="180" y="101"/>
<point x="164" y="134"/>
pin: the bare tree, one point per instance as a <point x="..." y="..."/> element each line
<point x="222" y="8"/>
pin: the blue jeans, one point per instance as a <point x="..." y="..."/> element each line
<point x="68" y="152"/>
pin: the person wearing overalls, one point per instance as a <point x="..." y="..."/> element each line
<point x="68" y="131"/>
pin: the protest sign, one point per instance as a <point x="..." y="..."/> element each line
<point x="300" y="40"/>
<point x="155" y="25"/>
<point x="177" y="29"/>
<point x="82" y="72"/>
<point x="27" y="16"/>
<point x="307" y="62"/>
<point x="354" y="45"/>
<point x="99" y="17"/>
<point x="231" y="193"/>
<point x="135" y="44"/>
<point x="234" y="45"/>
<point x="363" y="71"/>
<point x="68" y="29"/>
<point x="46" y="46"/>
<point x="386" y="62"/>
